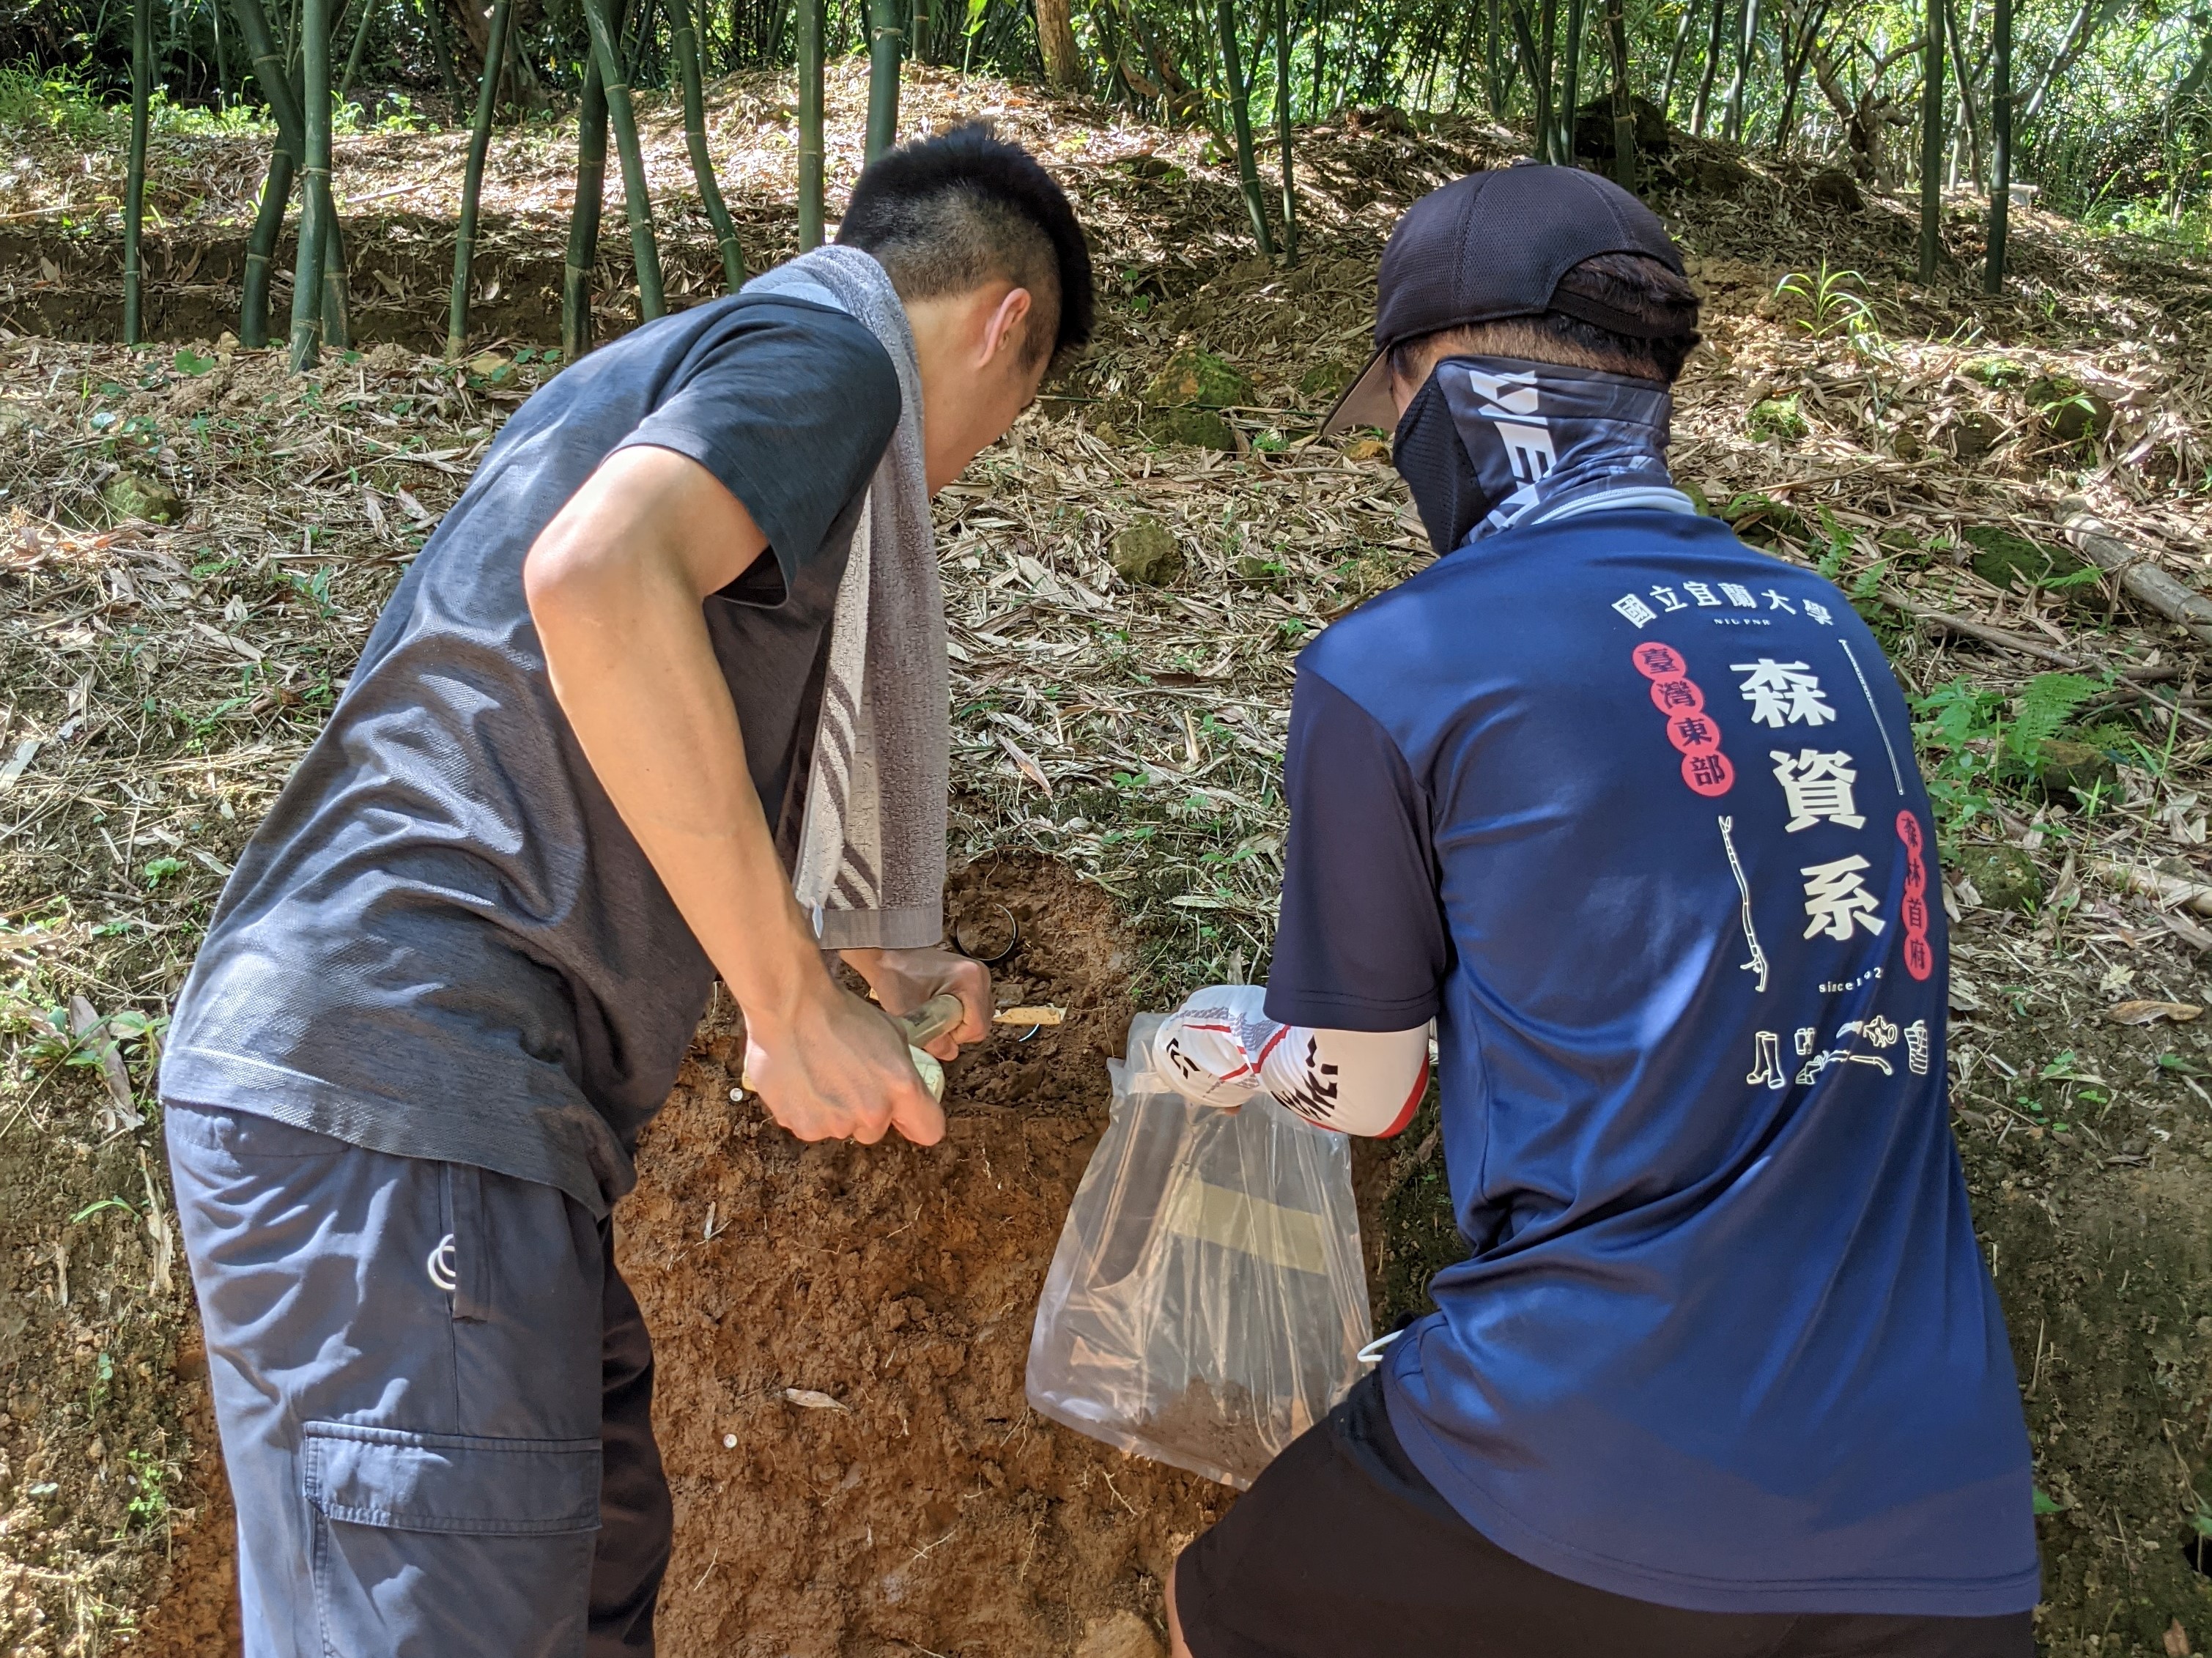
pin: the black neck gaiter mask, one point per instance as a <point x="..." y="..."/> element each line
<point x="1489" y="439"/>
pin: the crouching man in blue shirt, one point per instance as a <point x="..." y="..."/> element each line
<point x="1629" y="811"/>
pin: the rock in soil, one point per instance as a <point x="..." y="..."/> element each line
<point x="1200" y="379"/>
<point x="2005" y="876"/>
<point x="2067" y="769"/>
<point x="1197" y="428"/>
<point x="134" y="495"/>
<point x="1146" y="554"/>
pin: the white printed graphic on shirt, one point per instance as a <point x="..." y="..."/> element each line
<point x="1896" y="772"/>
<point x="1878" y="1031"/>
<point x="1822" y="1060"/>
<point x="1836" y="900"/>
<point x="1634" y="608"/>
<point x="1783" y="693"/>
<point x="1758" y="964"/>
<point x="1915" y="1047"/>
<point x="1804" y="1040"/>
<point x="1766" y="1064"/>
<point x="1816" y="786"/>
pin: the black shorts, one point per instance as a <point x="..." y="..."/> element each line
<point x="1342" y="1549"/>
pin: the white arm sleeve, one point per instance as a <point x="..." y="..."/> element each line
<point x="1221" y="1048"/>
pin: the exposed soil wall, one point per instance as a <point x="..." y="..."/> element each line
<point x="931" y="1511"/>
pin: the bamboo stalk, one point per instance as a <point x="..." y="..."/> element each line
<point x="637" y="200"/>
<point x="224" y="97"/>
<point x="1931" y="142"/>
<point x="268" y="224"/>
<point x="268" y="61"/>
<point x="811" y="207"/>
<point x="685" y="43"/>
<point x="1571" y="89"/>
<point x="1240" y="117"/>
<point x="1701" y="107"/>
<point x="886" y="44"/>
<point x="464" y="244"/>
<point x="338" y="305"/>
<point x="1547" y="54"/>
<point x="442" y="51"/>
<point x="315" y="183"/>
<point x="1624" y="110"/>
<point x="353" y="58"/>
<point x="1283" y="129"/>
<point x="584" y="217"/>
<point x="134" y="185"/>
<point x="1993" y="270"/>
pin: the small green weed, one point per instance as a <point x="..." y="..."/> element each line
<point x="1834" y="300"/>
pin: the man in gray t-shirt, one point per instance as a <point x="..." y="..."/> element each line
<point x="458" y="967"/>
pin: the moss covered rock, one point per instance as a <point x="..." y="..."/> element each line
<point x="139" y="495"/>
<point x="2070" y="411"/>
<point x="1200" y="429"/>
<point x="1776" y="418"/>
<point x="2005" y="878"/>
<point x="1144" y="554"/>
<point x="2069" y="771"/>
<point x="2001" y="558"/>
<point x="1196" y="378"/>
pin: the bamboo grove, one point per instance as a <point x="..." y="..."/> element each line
<point x="2105" y="105"/>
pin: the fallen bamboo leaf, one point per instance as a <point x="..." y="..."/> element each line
<point x="1028" y="767"/>
<point x="807" y="1399"/>
<point x="2151" y="1012"/>
<point x="87" y="1027"/>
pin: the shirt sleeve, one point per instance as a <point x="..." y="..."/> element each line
<point x="1361" y="944"/>
<point x="791" y="409"/>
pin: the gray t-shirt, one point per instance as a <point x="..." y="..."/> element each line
<point x="443" y="942"/>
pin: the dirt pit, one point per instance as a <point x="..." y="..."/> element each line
<point x="931" y="1510"/>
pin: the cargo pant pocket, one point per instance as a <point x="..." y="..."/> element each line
<point x="439" y="1545"/>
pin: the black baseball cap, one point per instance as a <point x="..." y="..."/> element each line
<point x="1494" y="245"/>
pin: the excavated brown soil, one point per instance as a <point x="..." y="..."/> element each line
<point x="930" y="1511"/>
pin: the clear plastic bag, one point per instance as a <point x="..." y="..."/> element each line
<point x="1207" y="1302"/>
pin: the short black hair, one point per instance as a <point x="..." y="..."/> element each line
<point x="1635" y="283"/>
<point x="948" y="213"/>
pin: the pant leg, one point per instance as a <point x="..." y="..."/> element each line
<point x="636" y="1517"/>
<point x="406" y="1359"/>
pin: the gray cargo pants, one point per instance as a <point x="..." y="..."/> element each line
<point x="435" y="1394"/>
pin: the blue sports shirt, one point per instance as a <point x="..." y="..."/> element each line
<point x="1631" y="810"/>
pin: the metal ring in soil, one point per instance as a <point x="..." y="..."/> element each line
<point x="1013" y="939"/>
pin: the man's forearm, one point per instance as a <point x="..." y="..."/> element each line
<point x="633" y="668"/>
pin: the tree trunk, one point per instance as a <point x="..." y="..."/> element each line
<point x="359" y="40"/>
<point x="637" y="200"/>
<point x="134" y="178"/>
<point x="1547" y="131"/>
<point x="886" y="47"/>
<point x="268" y="61"/>
<point x="1493" y="66"/>
<point x="685" y="44"/>
<point x="1703" y="108"/>
<point x="1240" y="116"/>
<point x="809" y="124"/>
<point x="1624" y="112"/>
<point x="1970" y="109"/>
<point x="464" y="244"/>
<point x="441" y="50"/>
<point x="315" y="206"/>
<point x="584" y="215"/>
<point x="1055" y="27"/>
<point x="1800" y="51"/>
<point x="1675" y="59"/>
<point x="224" y="97"/>
<point x="1993" y="270"/>
<point x="1746" y="38"/>
<point x="1283" y="129"/>
<point x="1931" y="143"/>
<point x="1571" y="87"/>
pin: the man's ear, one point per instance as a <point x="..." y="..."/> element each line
<point x="1006" y="326"/>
